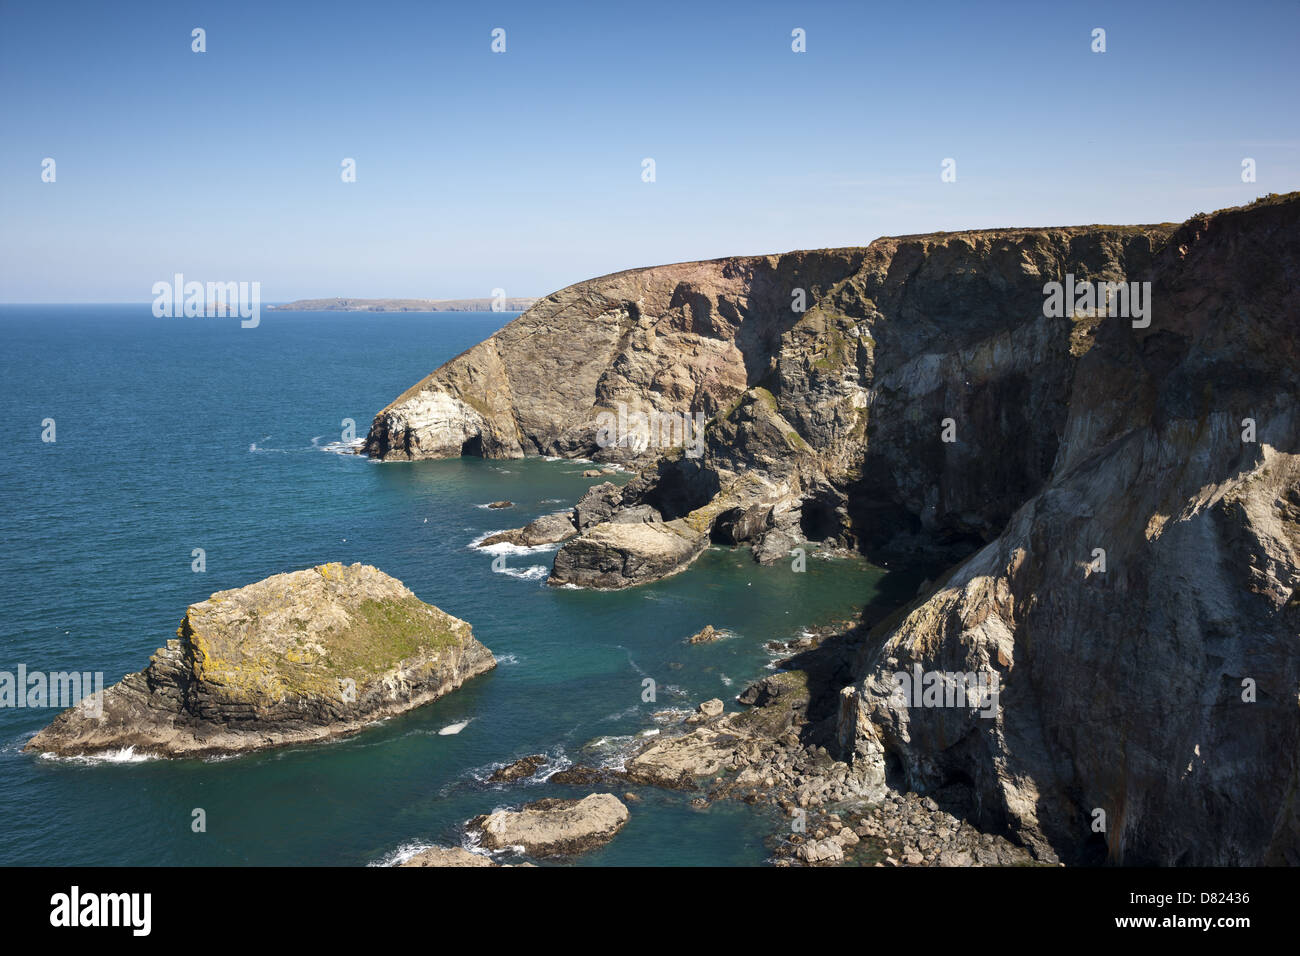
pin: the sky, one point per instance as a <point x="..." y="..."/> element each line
<point x="523" y="170"/>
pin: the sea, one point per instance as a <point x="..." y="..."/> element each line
<point x="192" y="455"/>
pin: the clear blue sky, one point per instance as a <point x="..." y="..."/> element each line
<point x="522" y="170"/>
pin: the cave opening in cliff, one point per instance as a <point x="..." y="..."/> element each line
<point x="819" y="519"/>
<point x="682" y="487"/>
<point x="472" y="447"/>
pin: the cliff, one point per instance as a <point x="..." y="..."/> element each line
<point x="1110" y="496"/>
<point x="293" y="658"/>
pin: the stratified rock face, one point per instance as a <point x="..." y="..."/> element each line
<point x="822" y="424"/>
<point x="296" y="657"/>
<point x="554" y="827"/>
<point x="1162" y="691"/>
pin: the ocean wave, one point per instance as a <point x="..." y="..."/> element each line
<point x="455" y="728"/>
<point x="125" y="755"/>
<point x="671" y="715"/>
<point x="625" y="712"/>
<point x="504" y="659"/>
<point x="556" y="760"/>
<point x="536" y="572"/>
<point x="338" y="447"/>
<point x="505" y="547"/>
<point x="403" y="853"/>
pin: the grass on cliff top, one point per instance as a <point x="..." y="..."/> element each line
<point x="386" y="632"/>
<point x="382" y="634"/>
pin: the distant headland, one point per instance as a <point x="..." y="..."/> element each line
<point x="516" y="304"/>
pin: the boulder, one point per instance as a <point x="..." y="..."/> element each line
<point x="611" y="556"/>
<point x="548" y="529"/>
<point x="554" y="827"/>
<point x="452" y="857"/>
<point x="821" y="851"/>
<point x="710" y="708"/>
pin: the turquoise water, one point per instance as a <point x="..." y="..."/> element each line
<point x="177" y="434"/>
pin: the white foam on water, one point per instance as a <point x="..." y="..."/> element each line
<point x="625" y="712"/>
<point x="551" y="768"/>
<point x="125" y="755"/>
<point x="553" y="764"/>
<point x="338" y="447"/>
<point x="505" y="547"/>
<point x="403" y="853"/>
<point x="670" y="715"/>
<point x="504" y="659"/>
<point x="454" y="728"/>
<point x="535" y="573"/>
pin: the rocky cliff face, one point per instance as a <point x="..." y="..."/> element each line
<point x="822" y="424"/>
<point x="293" y="658"/>
<point x="1116" y="497"/>
<point x="1148" y="711"/>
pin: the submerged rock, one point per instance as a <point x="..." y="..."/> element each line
<point x="521" y="769"/>
<point x="296" y="657"/>
<point x="554" y="827"/>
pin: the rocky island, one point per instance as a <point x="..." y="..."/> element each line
<point x="1106" y="499"/>
<point x="294" y="658"/>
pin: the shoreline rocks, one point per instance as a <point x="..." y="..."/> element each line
<point x="548" y="529"/>
<point x="297" y="657"/>
<point x="521" y="769"/>
<point x="439" y="856"/>
<point x="553" y="827"/>
<point x="615" y="555"/>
